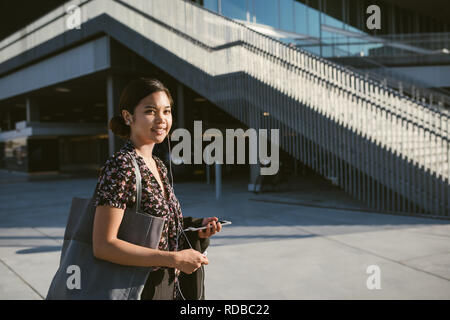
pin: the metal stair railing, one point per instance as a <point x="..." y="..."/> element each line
<point x="420" y="90"/>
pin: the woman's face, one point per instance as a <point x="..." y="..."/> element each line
<point x="152" y="118"/>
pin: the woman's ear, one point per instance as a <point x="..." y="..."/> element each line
<point x="128" y="118"/>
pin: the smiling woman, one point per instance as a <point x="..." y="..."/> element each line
<point x="145" y="120"/>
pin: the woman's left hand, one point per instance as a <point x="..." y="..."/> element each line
<point x="213" y="227"/>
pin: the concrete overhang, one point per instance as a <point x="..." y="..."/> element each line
<point x="121" y="23"/>
<point x="26" y="129"/>
<point x="87" y="58"/>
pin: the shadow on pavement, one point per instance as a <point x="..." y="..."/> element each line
<point x="39" y="249"/>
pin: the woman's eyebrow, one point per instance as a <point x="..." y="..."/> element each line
<point x="151" y="106"/>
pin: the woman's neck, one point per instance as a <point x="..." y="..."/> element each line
<point x="144" y="149"/>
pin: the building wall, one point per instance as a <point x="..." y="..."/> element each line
<point x="290" y="14"/>
<point x="308" y="17"/>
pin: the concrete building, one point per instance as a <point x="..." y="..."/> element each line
<point x="366" y="109"/>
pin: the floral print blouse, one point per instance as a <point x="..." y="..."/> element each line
<point x="117" y="188"/>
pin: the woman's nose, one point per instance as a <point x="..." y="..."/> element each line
<point x="159" y="117"/>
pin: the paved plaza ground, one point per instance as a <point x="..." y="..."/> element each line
<point x="313" y="242"/>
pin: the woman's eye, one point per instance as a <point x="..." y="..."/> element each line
<point x="153" y="111"/>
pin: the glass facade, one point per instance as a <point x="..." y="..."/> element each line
<point x="265" y="12"/>
<point x="287" y="16"/>
<point x="63" y="153"/>
<point x="16" y="154"/>
<point x="328" y="27"/>
<point x="236" y="9"/>
<point x="212" y="5"/>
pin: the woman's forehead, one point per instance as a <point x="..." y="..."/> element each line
<point x="157" y="99"/>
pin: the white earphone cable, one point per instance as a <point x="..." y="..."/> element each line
<point x="179" y="227"/>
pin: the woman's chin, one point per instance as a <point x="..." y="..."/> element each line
<point x="159" y="138"/>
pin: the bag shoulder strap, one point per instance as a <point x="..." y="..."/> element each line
<point x="138" y="184"/>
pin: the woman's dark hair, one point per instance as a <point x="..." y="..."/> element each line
<point x="134" y="92"/>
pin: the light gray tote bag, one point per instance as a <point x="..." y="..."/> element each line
<point x="82" y="276"/>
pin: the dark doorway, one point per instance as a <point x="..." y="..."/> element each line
<point x="43" y="155"/>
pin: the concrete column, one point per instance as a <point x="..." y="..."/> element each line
<point x="254" y="173"/>
<point x="218" y="180"/>
<point x="205" y="120"/>
<point x="295" y="167"/>
<point x="391" y="26"/>
<point x="254" y="121"/>
<point x="205" y="113"/>
<point x="8" y="119"/>
<point x="360" y="23"/>
<point x="114" y="86"/>
<point x="208" y="173"/>
<point x="32" y="107"/>
<point x="180" y="106"/>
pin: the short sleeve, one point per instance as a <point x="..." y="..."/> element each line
<point x="116" y="184"/>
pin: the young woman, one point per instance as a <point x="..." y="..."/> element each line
<point x="145" y="119"/>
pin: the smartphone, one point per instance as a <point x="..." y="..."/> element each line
<point x="222" y="222"/>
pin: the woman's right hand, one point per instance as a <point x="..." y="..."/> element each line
<point x="190" y="260"/>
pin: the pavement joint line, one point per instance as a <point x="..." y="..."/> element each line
<point x="386" y="258"/>
<point x="50" y="205"/>
<point x="48" y="236"/>
<point x="15" y="246"/>
<point x="308" y="204"/>
<point x="431" y="234"/>
<point x="364" y="250"/>
<point x="428" y="255"/>
<point x="20" y="277"/>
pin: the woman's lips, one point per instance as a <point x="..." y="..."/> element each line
<point x="159" y="131"/>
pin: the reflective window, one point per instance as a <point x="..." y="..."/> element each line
<point x="329" y="36"/>
<point x="266" y="12"/>
<point x="322" y="22"/>
<point x="313" y="22"/>
<point x="301" y="18"/>
<point x="236" y="9"/>
<point x="328" y="20"/>
<point x="16" y="154"/>
<point x="211" y="5"/>
<point x="287" y="15"/>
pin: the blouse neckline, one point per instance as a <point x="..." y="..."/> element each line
<point x="130" y="147"/>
